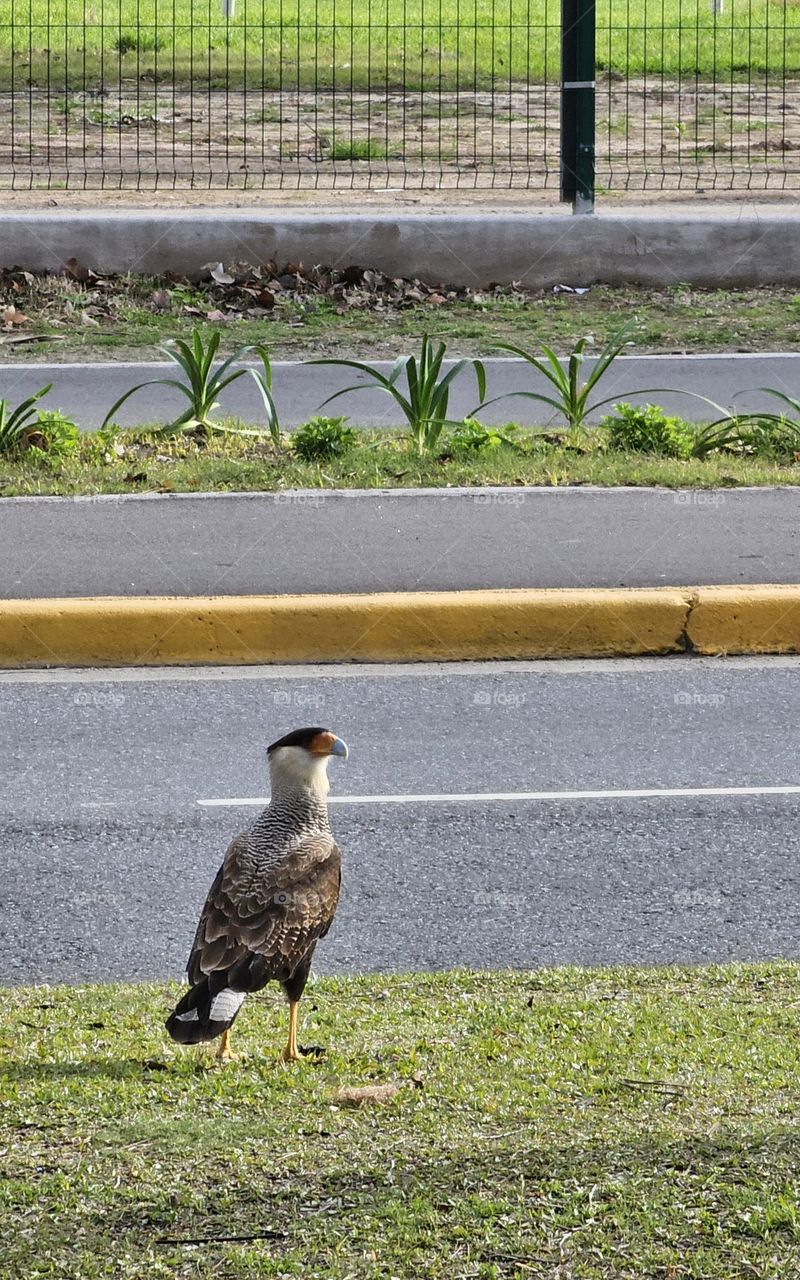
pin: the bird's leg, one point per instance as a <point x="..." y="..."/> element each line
<point x="291" y="1053"/>
<point x="224" y="1053"/>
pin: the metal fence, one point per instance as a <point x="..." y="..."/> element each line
<point x="393" y="93"/>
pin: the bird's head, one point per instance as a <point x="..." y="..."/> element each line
<point x="300" y="759"/>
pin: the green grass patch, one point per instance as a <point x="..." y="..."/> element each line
<point x="352" y="44"/>
<point x="625" y="1124"/>
<point x="372" y="459"/>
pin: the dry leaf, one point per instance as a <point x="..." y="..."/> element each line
<point x="12" y="316"/>
<point x="77" y="271"/>
<point x="30" y="337"/>
<point x="221" y="276"/>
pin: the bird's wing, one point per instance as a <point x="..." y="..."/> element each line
<point x="274" y="917"/>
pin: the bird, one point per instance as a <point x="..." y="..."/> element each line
<point x="273" y="898"/>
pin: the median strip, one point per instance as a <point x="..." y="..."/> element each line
<point x="398" y="627"/>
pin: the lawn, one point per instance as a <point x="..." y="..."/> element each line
<point x="564" y="1125"/>
<point x="444" y="44"/>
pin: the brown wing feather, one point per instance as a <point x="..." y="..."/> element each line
<point x="276" y="916"/>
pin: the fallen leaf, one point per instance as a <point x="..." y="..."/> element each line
<point x="31" y="337"/>
<point x="77" y="271"/>
<point x="12" y="316"/>
<point x="349" y="1096"/>
<point x="221" y="276"/>
<point x="33" y="439"/>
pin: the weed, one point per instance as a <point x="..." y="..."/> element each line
<point x="648" y="429"/>
<point x="471" y="436"/>
<point x="357" y="149"/>
<point x="128" y="42"/>
<point x="772" y="435"/>
<point x="53" y="434"/>
<point x="16" y="424"/>
<point x="323" y="438"/>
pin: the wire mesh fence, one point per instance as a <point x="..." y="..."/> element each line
<point x="701" y="95"/>
<point x="391" y="93"/>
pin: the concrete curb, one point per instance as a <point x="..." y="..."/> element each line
<point x="539" y="249"/>
<point x="398" y="627"/>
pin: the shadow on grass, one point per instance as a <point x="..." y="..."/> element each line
<point x="95" y="1068"/>
<point x="717" y="1208"/>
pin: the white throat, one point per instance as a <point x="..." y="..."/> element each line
<point x="293" y="770"/>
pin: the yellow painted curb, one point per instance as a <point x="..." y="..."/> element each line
<point x="758" y="619"/>
<point x="396" y="627"/>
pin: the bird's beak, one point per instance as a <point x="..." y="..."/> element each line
<point x="339" y="748"/>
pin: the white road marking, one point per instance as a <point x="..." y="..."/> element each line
<point x="644" y="793"/>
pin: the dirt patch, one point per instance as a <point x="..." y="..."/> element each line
<point x="652" y="135"/>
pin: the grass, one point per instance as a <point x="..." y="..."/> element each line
<point x="378" y="459"/>
<point x="589" y="1125"/>
<point x="383" y="43"/>
<point x="130" y="318"/>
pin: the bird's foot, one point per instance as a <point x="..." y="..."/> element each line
<point x="315" y="1051"/>
<point x="226" y="1055"/>
<point x="224" y="1052"/>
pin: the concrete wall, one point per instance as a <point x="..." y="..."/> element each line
<point x="539" y="250"/>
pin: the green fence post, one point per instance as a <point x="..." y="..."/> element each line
<point x="577" y="103"/>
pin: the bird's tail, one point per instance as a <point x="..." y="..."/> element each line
<point x="206" y="1010"/>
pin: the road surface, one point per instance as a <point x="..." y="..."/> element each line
<point x="440" y="540"/>
<point x="462" y="843"/>
<point x="87" y="390"/>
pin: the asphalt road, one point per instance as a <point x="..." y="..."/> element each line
<point x="108" y="842"/>
<point x="400" y="541"/>
<point x="87" y="391"/>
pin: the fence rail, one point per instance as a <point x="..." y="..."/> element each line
<point x="393" y="93"/>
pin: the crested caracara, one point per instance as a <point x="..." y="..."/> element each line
<point x="274" y="897"/>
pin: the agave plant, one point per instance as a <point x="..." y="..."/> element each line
<point x="426" y="395"/>
<point x="570" y="397"/>
<point x="202" y="385"/>
<point x="776" y="433"/>
<point x="15" y="423"/>
<point x="725" y="433"/>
